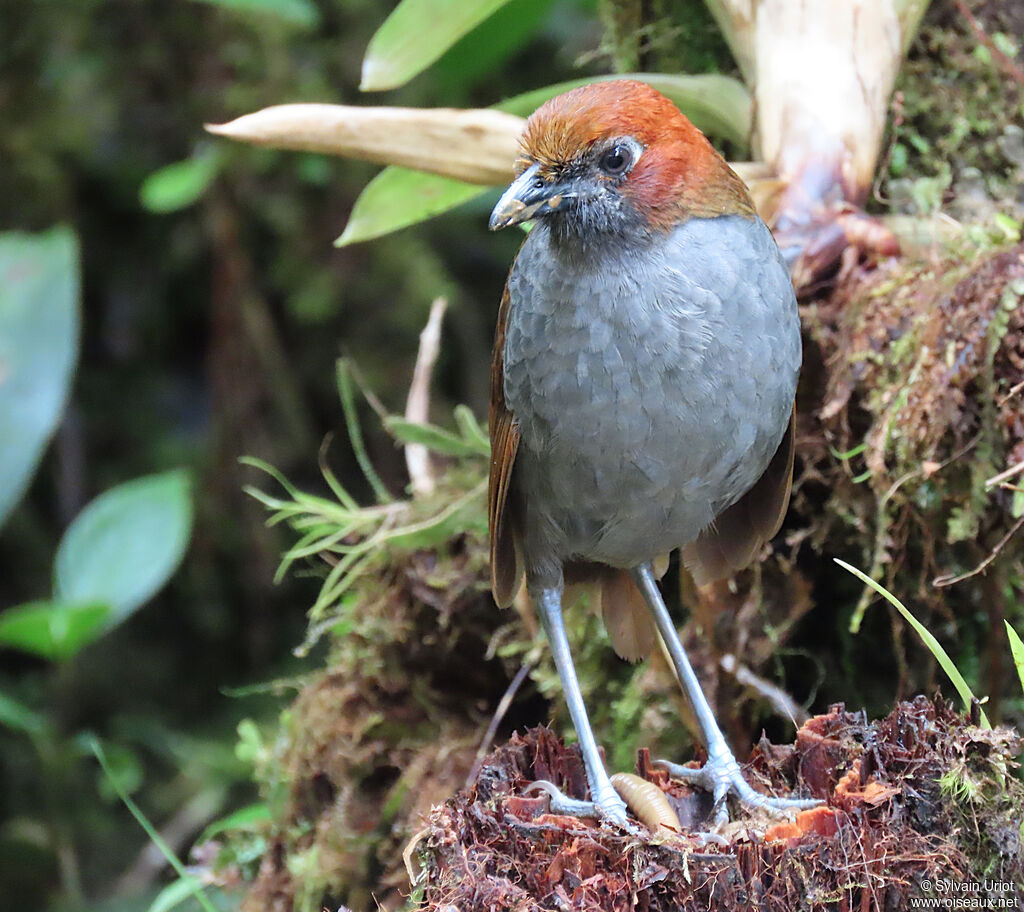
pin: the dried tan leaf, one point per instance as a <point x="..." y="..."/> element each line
<point x="476" y="145"/>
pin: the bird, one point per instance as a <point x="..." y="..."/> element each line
<point x="642" y="393"/>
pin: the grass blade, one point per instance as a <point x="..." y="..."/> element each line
<point x="157" y="840"/>
<point x="1017" y="650"/>
<point x="934" y="646"/>
<point x="355" y="433"/>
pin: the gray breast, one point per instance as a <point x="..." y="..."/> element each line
<point x="650" y="390"/>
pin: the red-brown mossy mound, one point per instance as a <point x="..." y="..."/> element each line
<point x="920" y="796"/>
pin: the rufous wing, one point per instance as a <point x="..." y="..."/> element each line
<point x="739" y="531"/>
<point x="502" y="522"/>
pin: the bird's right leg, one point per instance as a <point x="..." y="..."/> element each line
<point x="721" y="773"/>
<point x="605" y="800"/>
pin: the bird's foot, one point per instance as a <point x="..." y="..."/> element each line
<point x="607" y="806"/>
<point x="721" y="776"/>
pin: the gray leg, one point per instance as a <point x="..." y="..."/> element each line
<point x="606" y="801"/>
<point x="721" y="774"/>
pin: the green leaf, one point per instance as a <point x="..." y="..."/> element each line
<point x="125" y="545"/>
<point x="19" y="717"/>
<point x="477" y="55"/>
<point x="250" y="748"/>
<point x="250" y="817"/>
<point x="39" y="327"/>
<point x="179" y="185"/>
<point x="1009" y="226"/>
<point x="54" y="630"/>
<point x="294" y="12"/>
<point x="399" y="197"/>
<point x="415" y="34"/>
<point x="173" y="895"/>
<point x="718" y="105"/>
<point x="471" y="429"/>
<point x="343" y="375"/>
<point x="432" y="437"/>
<point x="934" y="646"/>
<point x="1016" y="650"/>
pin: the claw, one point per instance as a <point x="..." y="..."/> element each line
<point x="612" y="807"/>
<point x="721" y="776"/>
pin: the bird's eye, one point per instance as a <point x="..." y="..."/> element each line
<point x="615" y="161"/>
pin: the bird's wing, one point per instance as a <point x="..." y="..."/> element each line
<point x="506" y="563"/>
<point x="740" y="530"/>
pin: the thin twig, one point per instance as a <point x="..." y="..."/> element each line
<point x="499" y="714"/>
<point x="417" y="405"/>
<point x="941" y="581"/>
<point x="1005" y="476"/>
<point x="1011" y="392"/>
<point x="779" y="700"/>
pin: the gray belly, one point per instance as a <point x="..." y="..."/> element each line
<point x="649" y="395"/>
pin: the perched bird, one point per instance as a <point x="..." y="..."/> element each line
<point x="645" y="367"/>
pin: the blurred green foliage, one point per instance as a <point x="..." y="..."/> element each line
<point x="39" y="325"/>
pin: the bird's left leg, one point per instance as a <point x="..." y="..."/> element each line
<point x="605" y="800"/>
<point x="721" y="774"/>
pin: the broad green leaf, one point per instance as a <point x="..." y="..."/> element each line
<point x="432" y="437"/>
<point x="53" y="630"/>
<point x="17" y="716"/>
<point x="415" y="34"/>
<point x="934" y="646"/>
<point x="718" y="105"/>
<point x="39" y="327"/>
<point x="399" y="197"/>
<point x="295" y="12"/>
<point x="1016" y="650"/>
<point x="124" y="545"/>
<point x="179" y="185"/>
<point x="477" y="55"/>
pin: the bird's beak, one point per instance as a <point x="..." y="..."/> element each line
<point x="528" y="196"/>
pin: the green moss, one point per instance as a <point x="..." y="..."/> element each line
<point x="954" y="112"/>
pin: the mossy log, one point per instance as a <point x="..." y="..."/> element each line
<point x="919" y="804"/>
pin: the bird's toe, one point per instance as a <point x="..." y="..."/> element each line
<point x="607" y="806"/>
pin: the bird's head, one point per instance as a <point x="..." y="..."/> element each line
<point x="616" y="157"/>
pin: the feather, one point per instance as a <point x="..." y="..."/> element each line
<point x="502" y="521"/>
<point x="740" y="530"/>
<point x="626" y="617"/>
